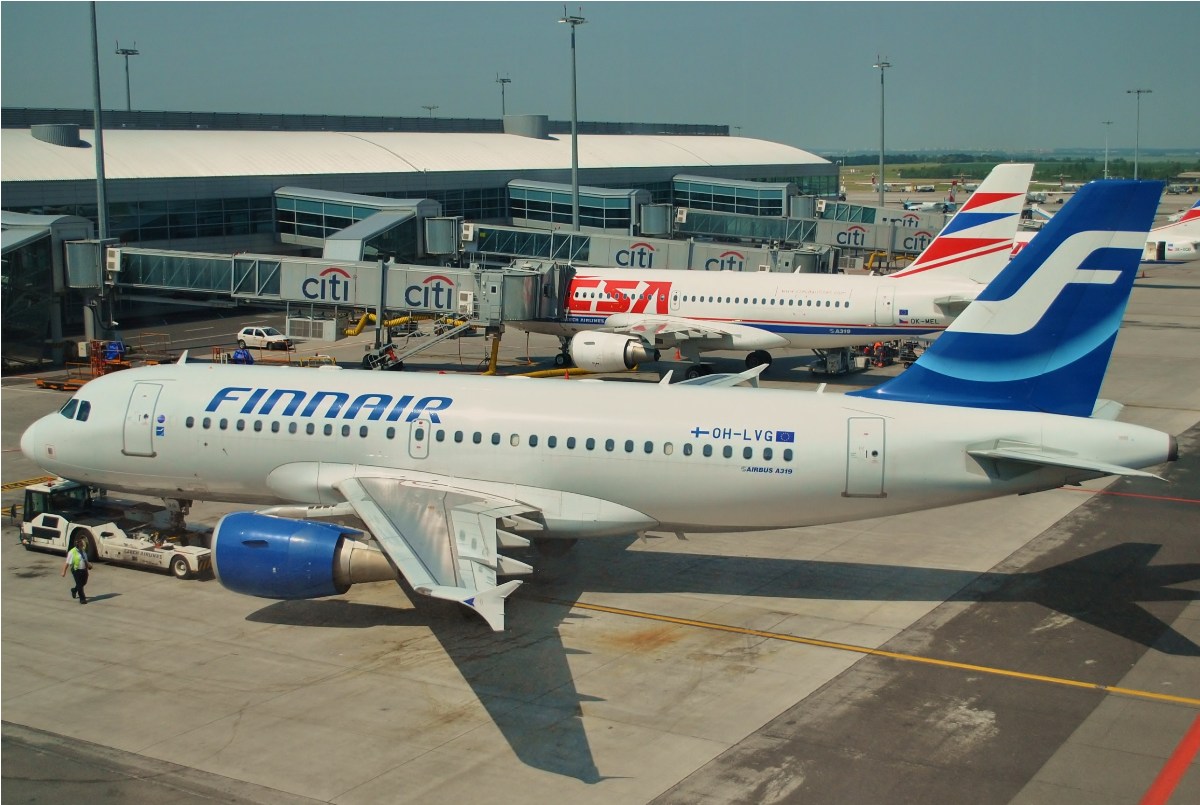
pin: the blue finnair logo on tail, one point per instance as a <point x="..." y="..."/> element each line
<point x="1040" y="335"/>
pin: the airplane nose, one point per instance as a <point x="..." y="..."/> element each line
<point x="29" y="443"/>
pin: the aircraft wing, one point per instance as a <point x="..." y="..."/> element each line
<point x="666" y="332"/>
<point x="443" y="540"/>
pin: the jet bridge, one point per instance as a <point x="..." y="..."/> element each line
<point x="485" y="297"/>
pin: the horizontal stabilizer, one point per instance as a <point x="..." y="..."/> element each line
<point x="1107" y="409"/>
<point x="718" y="381"/>
<point x="488" y="603"/>
<point x="1042" y="458"/>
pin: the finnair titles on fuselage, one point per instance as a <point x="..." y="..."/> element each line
<point x="630" y="314"/>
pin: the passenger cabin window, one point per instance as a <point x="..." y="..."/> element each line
<point x="189" y="422"/>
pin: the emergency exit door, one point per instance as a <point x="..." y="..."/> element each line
<point x="418" y="439"/>
<point x="139" y="420"/>
<point x="885" y="311"/>
<point x="864" y="457"/>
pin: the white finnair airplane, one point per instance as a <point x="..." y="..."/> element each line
<point x="446" y="471"/>
<point x="616" y="318"/>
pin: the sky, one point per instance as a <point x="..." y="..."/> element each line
<point x="965" y="75"/>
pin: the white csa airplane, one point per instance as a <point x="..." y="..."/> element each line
<point x="1176" y="242"/>
<point x="1171" y="244"/>
<point x="617" y="318"/>
<point x="446" y="471"/>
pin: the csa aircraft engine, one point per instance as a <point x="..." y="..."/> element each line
<point x="274" y="557"/>
<point x="608" y="352"/>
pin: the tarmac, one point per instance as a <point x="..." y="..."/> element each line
<point x="1040" y="649"/>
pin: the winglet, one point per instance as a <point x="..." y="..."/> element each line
<point x="1039" y="337"/>
<point x="183" y="357"/>
<point x="488" y="603"/>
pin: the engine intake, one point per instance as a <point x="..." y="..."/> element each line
<point x="609" y="352"/>
<point x="274" y="557"/>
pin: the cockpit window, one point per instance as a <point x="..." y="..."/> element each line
<point x="68" y="410"/>
<point x="85" y="408"/>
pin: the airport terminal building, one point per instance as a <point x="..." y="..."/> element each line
<point x="206" y="189"/>
<point x="355" y="188"/>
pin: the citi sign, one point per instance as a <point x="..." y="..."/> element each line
<point x="917" y="241"/>
<point x="331" y="285"/>
<point x="435" y="292"/>
<point x="910" y="219"/>
<point x="726" y="261"/>
<point x="852" y="236"/>
<point x="639" y="255"/>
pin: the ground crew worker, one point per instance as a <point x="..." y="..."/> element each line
<point x="78" y="563"/>
<point x="879" y="354"/>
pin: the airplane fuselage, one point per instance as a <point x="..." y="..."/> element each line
<point x="631" y="457"/>
<point x="805" y="310"/>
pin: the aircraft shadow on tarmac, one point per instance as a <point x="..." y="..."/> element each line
<point x="522" y="678"/>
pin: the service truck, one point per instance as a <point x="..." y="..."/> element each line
<point x="60" y="513"/>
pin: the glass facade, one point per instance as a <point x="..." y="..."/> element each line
<point x="216" y="274"/>
<point x="554" y="206"/>
<point x="399" y="241"/>
<point x="551" y="245"/>
<point x="142" y="221"/>
<point x="792" y="231"/>
<point x="767" y="201"/>
<point x="25" y="305"/>
<point x="313" y="218"/>
<point x="481" y="204"/>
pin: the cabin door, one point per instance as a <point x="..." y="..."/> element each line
<point x="864" y="457"/>
<point x="885" y="312"/>
<point x="139" y="420"/>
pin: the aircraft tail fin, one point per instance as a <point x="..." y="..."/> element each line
<point x="976" y="244"/>
<point x="1189" y="223"/>
<point x="1039" y="337"/>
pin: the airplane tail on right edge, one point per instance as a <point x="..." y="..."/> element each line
<point x="1039" y="337"/>
<point x="977" y="242"/>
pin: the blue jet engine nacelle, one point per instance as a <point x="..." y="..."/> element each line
<point x="275" y="557"/>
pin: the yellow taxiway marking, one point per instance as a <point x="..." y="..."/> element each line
<point x="893" y="655"/>
<point x="22" y="484"/>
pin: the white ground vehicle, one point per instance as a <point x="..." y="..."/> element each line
<point x="263" y="338"/>
<point x="60" y="513"/>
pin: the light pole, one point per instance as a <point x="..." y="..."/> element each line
<point x="430" y="107"/>
<point x="1106" y="124"/>
<point x="1137" y="131"/>
<point x="502" y="82"/>
<point x="574" y="22"/>
<point x="127" y="52"/>
<point x="881" y="65"/>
